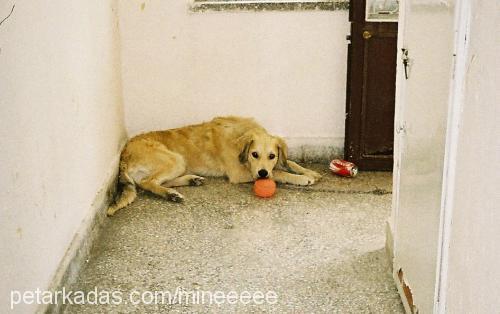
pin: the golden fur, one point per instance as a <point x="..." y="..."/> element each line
<point x="235" y="147"/>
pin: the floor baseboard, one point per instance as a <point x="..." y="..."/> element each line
<point x="78" y="252"/>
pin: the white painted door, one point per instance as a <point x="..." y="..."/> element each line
<point x="426" y="32"/>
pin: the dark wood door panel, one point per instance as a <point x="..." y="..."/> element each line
<point x="370" y="91"/>
<point x="379" y="81"/>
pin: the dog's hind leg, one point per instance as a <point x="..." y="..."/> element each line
<point x="154" y="184"/>
<point x="188" y="179"/>
<point x="154" y="164"/>
<point x="128" y="195"/>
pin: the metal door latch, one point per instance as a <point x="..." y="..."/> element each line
<point x="406" y="61"/>
<point x="401" y="128"/>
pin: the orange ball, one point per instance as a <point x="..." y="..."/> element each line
<point x="264" y="187"/>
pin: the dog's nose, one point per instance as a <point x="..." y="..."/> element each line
<point x="263" y="173"/>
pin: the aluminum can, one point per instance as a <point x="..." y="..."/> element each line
<point x="343" y="168"/>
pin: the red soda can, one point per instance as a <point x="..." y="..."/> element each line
<point x="343" y="168"/>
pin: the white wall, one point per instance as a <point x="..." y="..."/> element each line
<point x="474" y="276"/>
<point x="60" y="131"/>
<point x="423" y="109"/>
<point x="287" y="69"/>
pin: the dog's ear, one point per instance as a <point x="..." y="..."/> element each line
<point x="282" y="153"/>
<point x="243" y="143"/>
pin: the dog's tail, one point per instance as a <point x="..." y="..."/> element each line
<point x="128" y="195"/>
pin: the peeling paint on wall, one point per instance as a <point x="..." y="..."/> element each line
<point x="408" y="295"/>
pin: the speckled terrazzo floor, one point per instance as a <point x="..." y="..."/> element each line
<point x="320" y="249"/>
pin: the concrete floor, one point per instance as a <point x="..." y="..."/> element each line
<point x="321" y="248"/>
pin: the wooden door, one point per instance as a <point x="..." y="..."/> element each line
<point x="371" y="79"/>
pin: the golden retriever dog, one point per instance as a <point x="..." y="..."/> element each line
<point x="235" y="147"/>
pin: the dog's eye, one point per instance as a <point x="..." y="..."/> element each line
<point x="255" y="155"/>
<point x="271" y="156"/>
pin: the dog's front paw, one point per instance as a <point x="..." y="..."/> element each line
<point x="305" y="180"/>
<point x="314" y="174"/>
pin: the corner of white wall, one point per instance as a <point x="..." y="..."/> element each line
<point x="60" y="137"/>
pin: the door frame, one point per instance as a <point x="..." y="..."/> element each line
<point x="460" y="54"/>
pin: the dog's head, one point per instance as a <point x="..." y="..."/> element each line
<point x="262" y="152"/>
